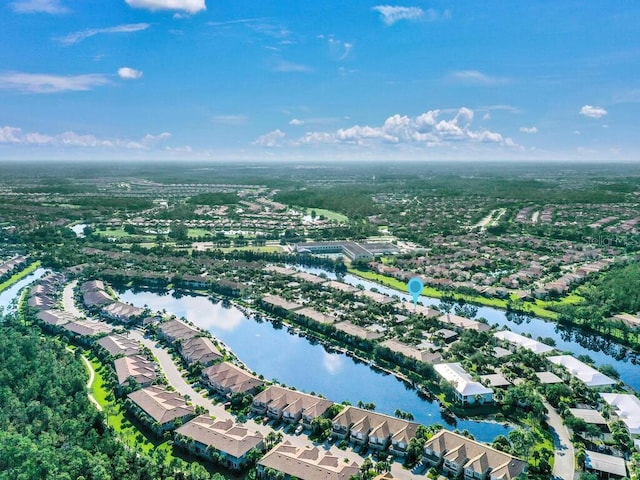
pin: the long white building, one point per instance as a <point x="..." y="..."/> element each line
<point x="627" y="408"/>
<point x="589" y="375"/>
<point x="523" y="342"/>
<point x="467" y="390"/>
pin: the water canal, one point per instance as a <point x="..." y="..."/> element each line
<point x="11" y="293"/>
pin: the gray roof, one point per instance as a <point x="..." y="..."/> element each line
<point x="605" y="463"/>
<point x="117" y="344"/>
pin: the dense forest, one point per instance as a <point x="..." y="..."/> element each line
<point x="49" y="429"/>
<point x="618" y="291"/>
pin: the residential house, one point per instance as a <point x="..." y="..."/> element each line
<point x="523" y="342"/>
<point x="118" y="345"/>
<point x="96" y="298"/>
<point x="88" y="328"/>
<point x="136" y="368"/>
<point x="123" y="312"/>
<point x="290" y="405"/>
<point x="627" y="408"/>
<point x="589" y="375"/>
<point x="375" y="429"/>
<point x="177" y="330"/>
<point x="459" y="455"/>
<point x="55" y="317"/>
<point x="227" y="378"/>
<point x="159" y="408"/>
<point x="466" y="390"/>
<point x="199" y="350"/>
<point x="357" y="331"/>
<point x="605" y="466"/>
<point x="204" y="436"/>
<point x="464" y="323"/>
<point x="425" y="355"/>
<point x="310" y="463"/>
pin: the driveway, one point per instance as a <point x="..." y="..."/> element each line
<point x="563" y="466"/>
<point x="68" y="300"/>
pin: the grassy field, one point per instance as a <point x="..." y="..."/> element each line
<point x="198" y="232"/>
<point x="119" y="233"/>
<point x="535" y="309"/>
<point x="10" y="281"/>
<point x="331" y="215"/>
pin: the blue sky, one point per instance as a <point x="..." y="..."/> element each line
<point x="295" y="79"/>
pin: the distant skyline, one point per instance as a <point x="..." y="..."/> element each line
<point x="291" y="80"/>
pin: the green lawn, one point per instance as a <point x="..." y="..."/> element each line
<point x="7" y="283"/>
<point x="198" y="232"/>
<point x="329" y="214"/>
<point x="119" y="233"/>
<point x="129" y="432"/>
<point x="535" y="309"/>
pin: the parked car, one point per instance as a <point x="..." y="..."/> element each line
<point x="299" y="429"/>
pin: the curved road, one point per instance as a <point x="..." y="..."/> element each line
<point x="69" y="302"/>
<point x="564" y="463"/>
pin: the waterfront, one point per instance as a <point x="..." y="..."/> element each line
<point x="302" y="363"/>
<point x="567" y="339"/>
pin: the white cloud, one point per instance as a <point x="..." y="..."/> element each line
<point x="529" y="129"/>
<point x="296" y="122"/>
<point x="15" y="136"/>
<point x="593" y="112"/>
<point x="392" y="14"/>
<point x="477" y="78"/>
<point x="39" y="6"/>
<point x="76" y="37"/>
<point x="285" y="66"/>
<point x="271" y="139"/>
<point x="129" y="73"/>
<point x="230" y="119"/>
<point x="45" y="83"/>
<point x="429" y="129"/>
<point x="190" y="6"/>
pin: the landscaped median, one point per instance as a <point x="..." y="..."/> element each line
<point x="20" y="275"/>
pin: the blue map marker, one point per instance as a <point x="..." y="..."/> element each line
<point x="415" y="287"/>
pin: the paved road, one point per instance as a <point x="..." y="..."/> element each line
<point x="68" y="300"/>
<point x="563" y="466"/>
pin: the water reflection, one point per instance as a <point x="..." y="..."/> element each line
<point x="333" y="364"/>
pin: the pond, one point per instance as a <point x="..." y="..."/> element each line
<point x="302" y="363"/>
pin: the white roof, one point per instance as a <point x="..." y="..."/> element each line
<point x="522" y="341"/>
<point x="460" y="379"/>
<point x="590" y="376"/>
<point x="605" y="463"/>
<point x="627" y="408"/>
